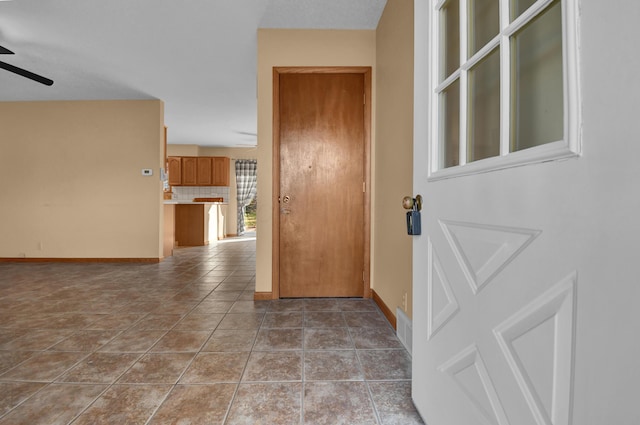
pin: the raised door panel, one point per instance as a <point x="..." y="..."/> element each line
<point x="174" y="168"/>
<point x="204" y="174"/>
<point x="220" y="171"/>
<point x="189" y="171"/>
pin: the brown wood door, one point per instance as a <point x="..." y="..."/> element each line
<point x="322" y="167"/>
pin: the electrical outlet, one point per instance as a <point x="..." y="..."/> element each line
<point x="404" y="301"/>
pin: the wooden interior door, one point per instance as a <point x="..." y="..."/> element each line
<point x="322" y="176"/>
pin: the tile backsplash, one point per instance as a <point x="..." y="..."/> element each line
<point x="187" y="193"/>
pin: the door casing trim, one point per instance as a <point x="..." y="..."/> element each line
<point x="275" y="249"/>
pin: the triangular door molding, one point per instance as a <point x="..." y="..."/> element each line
<point x="469" y="372"/>
<point x="557" y="304"/>
<point x="483" y="250"/>
<point x="437" y="281"/>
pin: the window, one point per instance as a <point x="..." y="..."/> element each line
<point x="504" y="81"/>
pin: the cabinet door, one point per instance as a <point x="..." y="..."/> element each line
<point x="220" y="171"/>
<point x="190" y="225"/>
<point x="189" y="170"/>
<point x="175" y="170"/>
<point x="205" y="171"/>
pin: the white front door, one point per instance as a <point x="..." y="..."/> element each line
<point x="526" y="286"/>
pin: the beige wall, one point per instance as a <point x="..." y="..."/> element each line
<point x="294" y="48"/>
<point x="392" y="263"/>
<point x="71" y="181"/>
<point x="231" y="217"/>
<point x="181" y="150"/>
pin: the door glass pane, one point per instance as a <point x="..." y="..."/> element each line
<point x="450" y="49"/>
<point x="537" y="114"/>
<point x="484" y="108"/>
<point x="519" y="6"/>
<point x="484" y="23"/>
<point x="450" y="126"/>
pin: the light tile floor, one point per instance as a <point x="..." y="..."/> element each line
<point x="183" y="342"/>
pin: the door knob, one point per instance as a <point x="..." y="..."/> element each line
<point x="286" y="199"/>
<point x="409" y="203"/>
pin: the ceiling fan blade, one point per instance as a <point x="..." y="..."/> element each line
<point x="27" y="74"/>
<point x="5" y="51"/>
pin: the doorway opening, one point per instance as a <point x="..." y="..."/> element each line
<point x="247" y="190"/>
<point x="251" y="215"/>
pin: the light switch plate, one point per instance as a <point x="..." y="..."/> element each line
<point x="147" y="172"/>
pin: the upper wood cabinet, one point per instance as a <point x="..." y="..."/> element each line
<point x="174" y="168"/>
<point x="198" y="170"/>
<point x="205" y="171"/>
<point x="220" y="171"/>
<point x="189" y="170"/>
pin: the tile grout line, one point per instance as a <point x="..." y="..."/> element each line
<point x="52" y="382"/>
<point x="113" y="383"/>
<point x="235" y="393"/>
<point x="303" y="377"/>
<point x="191" y="276"/>
<point x="142" y="354"/>
<point x="173" y="386"/>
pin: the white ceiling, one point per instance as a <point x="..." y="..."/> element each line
<point x="198" y="56"/>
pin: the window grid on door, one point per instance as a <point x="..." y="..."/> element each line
<point x="504" y="84"/>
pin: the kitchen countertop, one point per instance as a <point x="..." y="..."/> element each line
<point x="186" y="202"/>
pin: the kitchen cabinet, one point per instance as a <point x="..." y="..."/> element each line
<point x="190" y="225"/>
<point x="197" y="224"/>
<point x="174" y="168"/>
<point x="198" y="170"/>
<point x="204" y="175"/>
<point x="189" y="171"/>
<point x="220" y="171"/>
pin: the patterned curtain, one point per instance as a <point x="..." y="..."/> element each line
<point x="246" y="179"/>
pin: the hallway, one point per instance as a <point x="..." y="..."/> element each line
<point x="183" y="342"/>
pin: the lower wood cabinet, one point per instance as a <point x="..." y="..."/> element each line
<point x="197" y="224"/>
<point x="190" y="225"/>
